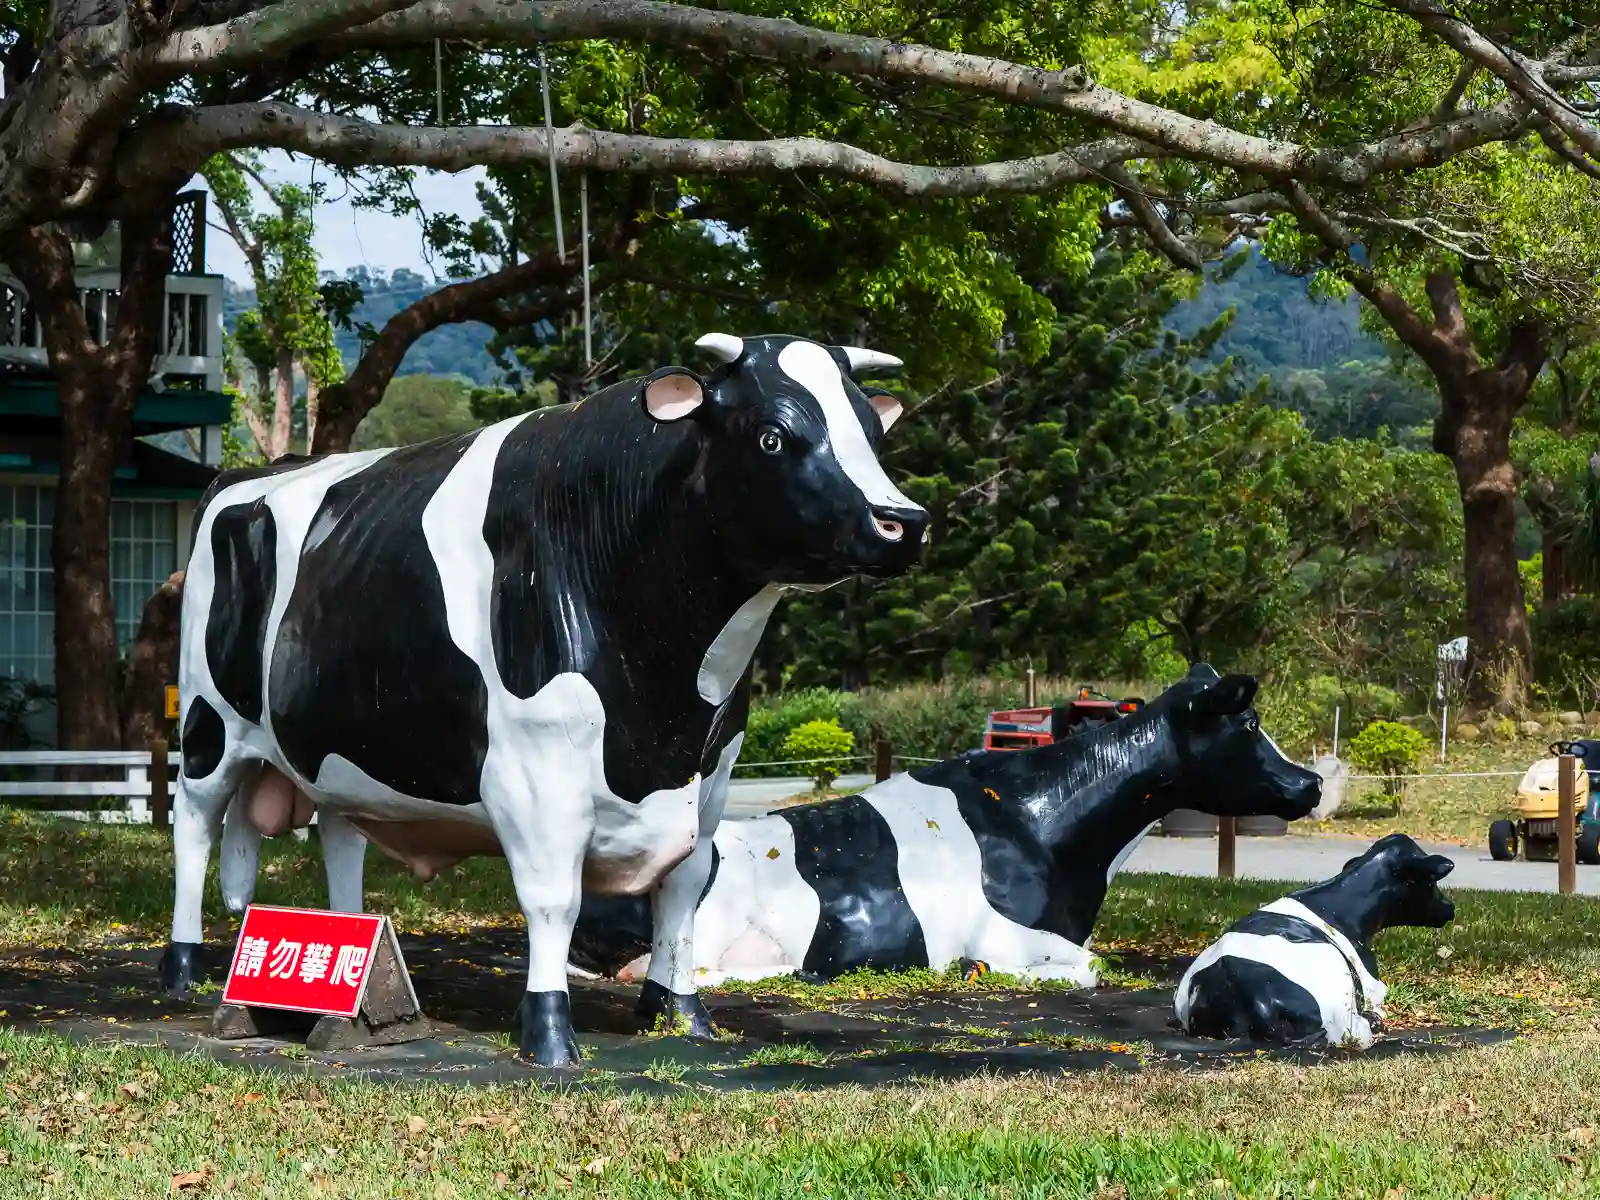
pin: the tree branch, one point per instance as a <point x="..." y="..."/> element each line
<point x="1150" y="219"/>
<point x="1072" y="90"/>
<point x="343" y="405"/>
<point x="1402" y="318"/>
<point x="196" y="134"/>
<point x="264" y="35"/>
<point x="1523" y="77"/>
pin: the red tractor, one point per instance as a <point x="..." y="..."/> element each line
<point x="1023" y="728"/>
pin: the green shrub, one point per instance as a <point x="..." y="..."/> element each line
<point x="1389" y="749"/>
<point x="771" y="719"/>
<point x="1566" y="650"/>
<point x="815" y="743"/>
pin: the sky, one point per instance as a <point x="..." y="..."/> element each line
<point x="346" y="236"/>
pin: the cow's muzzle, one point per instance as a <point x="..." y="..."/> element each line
<point x="900" y="524"/>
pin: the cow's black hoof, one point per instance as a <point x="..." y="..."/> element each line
<point x="547" y="1038"/>
<point x="669" y="1012"/>
<point x="182" y="967"/>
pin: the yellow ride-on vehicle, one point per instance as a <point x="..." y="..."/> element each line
<point x="1536" y="828"/>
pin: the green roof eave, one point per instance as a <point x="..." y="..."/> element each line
<point x="155" y="412"/>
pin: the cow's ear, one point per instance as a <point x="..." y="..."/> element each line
<point x="1227" y="697"/>
<point x="886" y="404"/>
<point x="672" y="393"/>
<point x="1429" y="869"/>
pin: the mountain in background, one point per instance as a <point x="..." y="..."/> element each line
<point x="448" y="350"/>
<point x="1319" y="360"/>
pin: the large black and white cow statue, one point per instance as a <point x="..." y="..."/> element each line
<point x="1301" y="970"/>
<point x="533" y="639"/>
<point x="998" y="856"/>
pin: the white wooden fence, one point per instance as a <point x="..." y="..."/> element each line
<point x="133" y="788"/>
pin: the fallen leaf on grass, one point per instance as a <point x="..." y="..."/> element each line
<point x="1583" y="1135"/>
<point x="596" y="1166"/>
<point x="771" y="1125"/>
<point x="416" y="1125"/>
<point x="251" y="1098"/>
<point x="188" y="1179"/>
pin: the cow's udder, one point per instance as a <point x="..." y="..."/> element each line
<point x="428" y="847"/>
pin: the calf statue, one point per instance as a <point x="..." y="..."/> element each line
<point x="532" y="639"/>
<point x="1000" y="856"/>
<point x="1301" y="970"/>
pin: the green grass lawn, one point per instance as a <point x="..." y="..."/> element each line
<point x="1510" y="1121"/>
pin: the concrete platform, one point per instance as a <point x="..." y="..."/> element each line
<point x="470" y="986"/>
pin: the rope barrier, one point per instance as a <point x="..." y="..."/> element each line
<point x="1447" y="775"/>
<point x="804" y="762"/>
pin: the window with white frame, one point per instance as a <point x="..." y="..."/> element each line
<point x="27" y="594"/>
<point x="144" y="551"/>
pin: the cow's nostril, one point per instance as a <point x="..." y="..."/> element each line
<point x="889" y="531"/>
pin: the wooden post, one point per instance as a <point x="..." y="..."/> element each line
<point x="1567" y="828"/>
<point x="885" y="760"/>
<point x="1226" y="848"/>
<point x="160" y="802"/>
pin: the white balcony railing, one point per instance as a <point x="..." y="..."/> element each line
<point x="191" y="335"/>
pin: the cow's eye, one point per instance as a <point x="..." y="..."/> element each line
<point x="770" y="439"/>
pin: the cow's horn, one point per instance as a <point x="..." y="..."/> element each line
<point x="723" y="345"/>
<point x="869" y="360"/>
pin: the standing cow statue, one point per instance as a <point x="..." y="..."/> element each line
<point x="999" y="856"/>
<point x="533" y="639"/>
<point x="1301" y="970"/>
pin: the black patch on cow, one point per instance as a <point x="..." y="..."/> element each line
<point x="203" y="739"/>
<point x="605" y="565"/>
<point x="846" y="854"/>
<point x="612" y="931"/>
<point x="363" y="664"/>
<point x="1283" y="925"/>
<point x="1242" y="998"/>
<point x="226" y="479"/>
<point x="244" y="549"/>
<point x="1023" y="879"/>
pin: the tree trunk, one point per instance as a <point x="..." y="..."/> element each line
<point x="1555" y="574"/>
<point x="152" y="665"/>
<point x="98" y="387"/>
<point x="282" y="405"/>
<point x="1478" y="404"/>
<point x="80" y="555"/>
<point x="1500" y="650"/>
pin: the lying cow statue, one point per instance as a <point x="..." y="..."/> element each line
<point x="532" y="639"/>
<point x="1301" y="970"/>
<point x="1000" y="856"/>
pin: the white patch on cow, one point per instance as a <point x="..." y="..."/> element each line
<point x="1321" y="968"/>
<point x="760" y="915"/>
<point x="941" y="874"/>
<point x="814" y="369"/>
<point x="734" y="646"/>
<point x="672" y="954"/>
